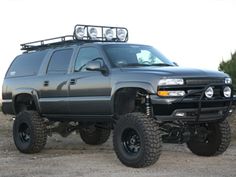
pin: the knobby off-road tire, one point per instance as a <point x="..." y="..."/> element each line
<point x="137" y="140"/>
<point x="29" y="132"/>
<point x="216" y="143"/>
<point x="94" y="135"/>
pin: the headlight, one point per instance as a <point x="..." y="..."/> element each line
<point x="171" y="82"/>
<point x="227" y="92"/>
<point x="171" y="93"/>
<point x="228" y="80"/>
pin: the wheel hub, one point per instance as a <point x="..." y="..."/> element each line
<point x="24" y="133"/>
<point x="202" y="133"/>
<point x="131" y="141"/>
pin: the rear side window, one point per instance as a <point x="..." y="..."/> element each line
<point x="59" y="61"/>
<point x="26" y="65"/>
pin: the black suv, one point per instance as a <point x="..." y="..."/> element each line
<point x="94" y="82"/>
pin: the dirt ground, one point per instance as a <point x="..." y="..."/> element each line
<point x="66" y="157"/>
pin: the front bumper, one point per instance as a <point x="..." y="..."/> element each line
<point x="192" y="109"/>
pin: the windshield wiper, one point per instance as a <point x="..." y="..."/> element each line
<point x="136" y="64"/>
<point x="143" y="64"/>
<point x="161" y="64"/>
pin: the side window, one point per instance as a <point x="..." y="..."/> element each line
<point x="59" y="61"/>
<point x="26" y="64"/>
<point x="85" y="55"/>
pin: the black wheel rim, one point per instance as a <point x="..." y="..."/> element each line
<point x="131" y="141"/>
<point x="24" y="133"/>
<point x="205" y="134"/>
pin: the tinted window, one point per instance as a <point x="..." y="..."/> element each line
<point x="59" y="62"/>
<point x="85" y="55"/>
<point x="26" y="65"/>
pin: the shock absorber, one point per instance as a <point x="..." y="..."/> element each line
<point x="148" y="106"/>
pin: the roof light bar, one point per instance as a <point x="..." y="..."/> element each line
<point x="100" y="33"/>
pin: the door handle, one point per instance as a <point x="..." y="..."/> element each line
<point x="46" y="83"/>
<point x="72" y="82"/>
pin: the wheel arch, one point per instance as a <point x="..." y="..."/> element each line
<point x="26" y="96"/>
<point x="132" y="87"/>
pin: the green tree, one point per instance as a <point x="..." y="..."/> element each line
<point x="229" y="67"/>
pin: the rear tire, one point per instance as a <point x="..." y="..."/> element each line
<point x="137" y="140"/>
<point x="29" y="132"/>
<point x="216" y="141"/>
<point x="94" y="135"/>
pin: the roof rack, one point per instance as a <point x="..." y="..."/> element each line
<point x="82" y="33"/>
<point x="46" y="43"/>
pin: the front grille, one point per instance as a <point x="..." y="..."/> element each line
<point x="203" y="81"/>
<point x="218" y="91"/>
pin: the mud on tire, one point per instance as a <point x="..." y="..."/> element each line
<point x="216" y="142"/>
<point x="29" y="132"/>
<point x="137" y="140"/>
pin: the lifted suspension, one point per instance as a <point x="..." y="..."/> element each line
<point x="175" y="133"/>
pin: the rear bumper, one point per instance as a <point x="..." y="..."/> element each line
<point x="7" y="107"/>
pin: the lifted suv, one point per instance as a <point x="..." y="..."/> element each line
<point x="94" y="82"/>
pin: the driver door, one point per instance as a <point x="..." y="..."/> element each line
<point x="89" y="91"/>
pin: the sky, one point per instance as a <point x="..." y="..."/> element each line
<point x="192" y="33"/>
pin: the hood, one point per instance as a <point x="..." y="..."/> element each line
<point x="175" y="71"/>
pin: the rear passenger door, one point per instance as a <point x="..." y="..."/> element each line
<point x="54" y="89"/>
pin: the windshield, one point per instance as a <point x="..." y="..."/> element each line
<point x="124" y="55"/>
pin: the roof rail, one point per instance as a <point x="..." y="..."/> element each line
<point x="82" y="33"/>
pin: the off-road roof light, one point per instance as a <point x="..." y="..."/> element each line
<point x="121" y="34"/>
<point x="93" y="33"/>
<point x="109" y="34"/>
<point x="79" y="33"/>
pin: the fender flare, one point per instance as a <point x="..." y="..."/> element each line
<point x="30" y="91"/>
<point x="130" y="84"/>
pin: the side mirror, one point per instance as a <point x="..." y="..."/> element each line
<point x="176" y="64"/>
<point x="96" y="66"/>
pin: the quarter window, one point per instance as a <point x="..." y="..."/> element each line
<point x="59" y="62"/>
<point x="26" y="65"/>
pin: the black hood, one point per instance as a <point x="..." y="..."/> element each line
<point x="175" y="71"/>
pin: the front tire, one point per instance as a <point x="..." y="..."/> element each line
<point x="214" y="143"/>
<point x="137" y="140"/>
<point x="29" y="132"/>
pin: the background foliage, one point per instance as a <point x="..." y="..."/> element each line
<point x="229" y="67"/>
